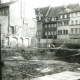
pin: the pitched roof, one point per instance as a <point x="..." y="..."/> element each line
<point x="65" y="11"/>
<point x="43" y="10"/>
<point x="76" y="9"/>
<point x="54" y="11"/>
<point x="72" y="6"/>
<point x="6" y="4"/>
<point x="68" y="8"/>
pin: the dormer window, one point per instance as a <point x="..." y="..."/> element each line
<point x="49" y="19"/>
<point x="65" y="16"/>
<point x="61" y="16"/>
<point x="55" y="19"/>
<point x="52" y="19"/>
<point x="46" y="19"/>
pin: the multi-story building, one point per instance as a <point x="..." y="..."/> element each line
<point x="15" y="30"/>
<point x="57" y="23"/>
<point x="63" y="27"/>
<point x="49" y="24"/>
<point x="75" y="25"/>
<point x="63" y="24"/>
<point x="40" y="14"/>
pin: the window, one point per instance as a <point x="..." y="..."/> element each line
<point x="59" y="32"/>
<point x="49" y="33"/>
<point x="76" y="14"/>
<point x="5" y="12"/>
<point x="65" y="16"/>
<point x="46" y="20"/>
<point x="73" y="14"/>
<point x="61" y="16"/>
<point x="65" y="23"/>
<point x="39" y="17"/>
<point x="49" y="19"/>
<point x="55" y="33"/>
<point x="45" y="33"/>
<point x="2" y="12"/>
<point x="76" y="22"/>
<point x="76" y="30"/>
<point x="49" y="25"/>
<point x="72" y="30"/>
<point x="52" y="19"/>
<point x="12" y="29"/>
<point x="55" y="19"/>
<point x="72" y="22"/>
<point x="60" y="24"/>
<point x="65" y="31"/>
<point x="45" y="25"/>
<point x="54" y="25"/>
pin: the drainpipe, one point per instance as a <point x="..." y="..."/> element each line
<point x="47" y="39"/>
<point x="1" y="63"/>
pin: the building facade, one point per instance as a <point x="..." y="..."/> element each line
<point x="49" y="24"/>
<point x="75" y="25"/>
<point x="62" y="23"/>
<point x="15" y="27"/>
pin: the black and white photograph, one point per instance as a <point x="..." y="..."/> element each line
<point x="40" y="39"/>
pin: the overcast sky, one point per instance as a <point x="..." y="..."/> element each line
<point x="31" y="4"/>
<point x="43" y="3"/>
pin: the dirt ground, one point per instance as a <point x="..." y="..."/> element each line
<point x="37" y="68"/>
<point x="17" y="67"/>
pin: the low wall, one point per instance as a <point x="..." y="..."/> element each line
<point x="46" y="41"/>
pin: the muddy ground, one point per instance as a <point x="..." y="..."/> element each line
<point x="32" y="64"/>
